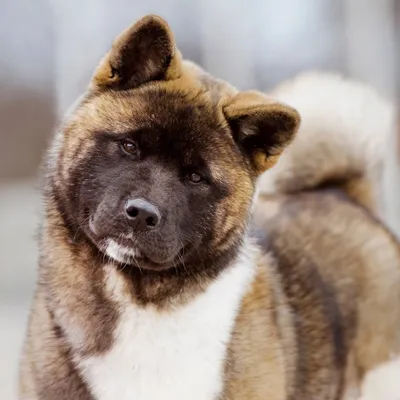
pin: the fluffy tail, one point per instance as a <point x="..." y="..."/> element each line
<point x="342" y="139"/>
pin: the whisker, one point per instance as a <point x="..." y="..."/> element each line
<point x="80" y="227"/>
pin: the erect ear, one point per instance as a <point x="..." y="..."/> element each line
<point x="261" y="127"/>
<point x="144" y="52"/>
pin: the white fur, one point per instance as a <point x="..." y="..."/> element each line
<point x="383" y="382"/>
<point x="174" y="355"/>
<point x="345" y="127"/>
<point x="120" y="253"/>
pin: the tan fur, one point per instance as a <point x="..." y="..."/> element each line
<point x="315" y="209"/>
<point x="257" y="366"/>
<point x="342" y="140"/>
<point x="324" y="306"/>
<point x="356" y="257"/>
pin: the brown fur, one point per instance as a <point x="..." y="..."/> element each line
<point x="339" y="274"/>
<point x="324" y="306"/>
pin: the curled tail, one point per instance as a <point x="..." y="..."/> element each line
<point x="342" y="140"/>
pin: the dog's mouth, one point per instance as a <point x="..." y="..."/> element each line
<point x="124" y="252"/>
<point x="131" y="250"/>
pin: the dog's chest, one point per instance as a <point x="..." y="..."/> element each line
<point x="178" y="355"/>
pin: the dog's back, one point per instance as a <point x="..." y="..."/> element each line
<point x="339" y="265"/>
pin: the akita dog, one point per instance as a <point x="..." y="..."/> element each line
<point x="163" y="275"/>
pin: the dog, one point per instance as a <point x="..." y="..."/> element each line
<point x="179" y="259"/>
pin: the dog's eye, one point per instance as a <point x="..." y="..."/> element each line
<point x="195" y="178"/>
<point x="128" y="146"/>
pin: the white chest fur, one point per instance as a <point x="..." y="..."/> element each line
<point x="177" y="355"/>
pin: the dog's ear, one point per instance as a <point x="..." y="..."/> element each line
<point x="144" y="52"/>
<point x="261" y="127"/>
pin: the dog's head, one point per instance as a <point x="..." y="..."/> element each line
<point x="158" y="163"/>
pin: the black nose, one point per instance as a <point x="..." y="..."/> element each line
<point x="144" y="214"/>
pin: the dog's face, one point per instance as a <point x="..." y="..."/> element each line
<point x="160" y="178"/>
<point x="158" y="163"/>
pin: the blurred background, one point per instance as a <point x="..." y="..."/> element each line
<point x="49" y="48"/>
